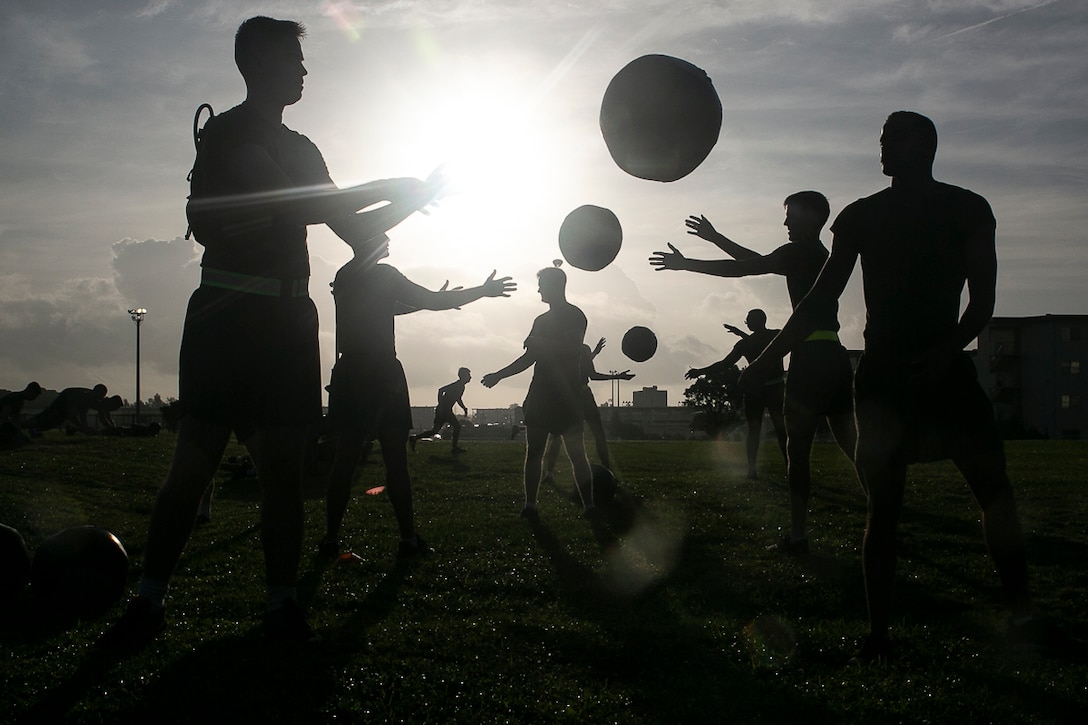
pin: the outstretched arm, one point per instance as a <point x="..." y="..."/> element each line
<point x="415" y="296"/>
<point x="716" y="267"/>
<point x="724" y="364"/>
<point x="735" y="330"/>
<point x="520" y="365"/>
<point x="701" y="227"/>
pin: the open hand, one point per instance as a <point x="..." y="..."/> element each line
<point x="701" y="227"/>
<point x="599" y="347"/>
<point x="668" y="260"/>
<point x="501" y="287"/>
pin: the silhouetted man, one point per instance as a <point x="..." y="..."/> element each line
<point x="554" y="403"/>
<point x="250" y="361"/>
<point x="591" y="413"/>
<point x="69" y="409"/>
<point x="818" y="385"/>
<point x="769" y="396"/>
<point x="11" y="405"/>
<point x="916" y="391"/>
<point x="368" y="395"/>
<point x="448" y="396"/>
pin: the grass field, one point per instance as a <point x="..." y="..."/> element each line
<point x="669" y="611"/>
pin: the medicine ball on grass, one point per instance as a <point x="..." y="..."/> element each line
<point x="79" y="572"/>
<point x="14" y="562"/>
<point x="639" y="343"/>
<point x="660" y="117"/>
<point x="590" y="237"/>
<point x="604" y="484"/>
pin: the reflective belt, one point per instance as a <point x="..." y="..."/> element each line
<point x="247" y="283"/>
<point x="823" y="335"/>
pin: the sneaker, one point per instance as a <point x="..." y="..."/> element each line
<point x="874" y="650"/>
<point x="141" y="623"/>
<point x="530" y="513"/>
<point x="411" y="549"/>
<point x="328" y="548"/>
<point x="787" y="546"/>
<point x="288" y="624"/>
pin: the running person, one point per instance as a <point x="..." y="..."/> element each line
<point x="554" y="403"/>
<point x="770" y="396"/>
<point x="819" y="383"/>
<point x="448" y="396"/>
<point x="368" y="395"/>
<point x="250" y="361"/>
<point x="918" y="398"/>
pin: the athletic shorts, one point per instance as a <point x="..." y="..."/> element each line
<point x="444" y="416"/>
<point x="249" y="361"/>
<point x="553" y="406"/>
<point x="769" y="397"/>
<point x="369" y="396"/>
<point x="819" y="382"/>
<point x="900" y="422"/>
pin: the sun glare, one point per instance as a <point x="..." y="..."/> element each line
<point x="500" y="154"/>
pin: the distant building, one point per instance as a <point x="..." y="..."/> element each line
<point x="1032" y="369"/>
<point x="650" y="398"/>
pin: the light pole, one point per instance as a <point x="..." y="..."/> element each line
<point x="137" y="317"/>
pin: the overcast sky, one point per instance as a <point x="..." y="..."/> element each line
<point x="98" y="102"/>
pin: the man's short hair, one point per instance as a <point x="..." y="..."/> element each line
<point x="811" y="201"/>
<point x="256" y="35"/>
<point x="757" y="315"/>
<point x="917" y="124"/>
<point x="462" y="372"/>
<point x="553" y="276"/>
<point x="32" y="389"/>
<point x="100" y="390"/>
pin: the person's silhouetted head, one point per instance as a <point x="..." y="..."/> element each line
<point x="372" y="250"/>
<point x="113" y="402"/>
<point x="552" y="284"/>
<point x="756" y="320"/>
<point x="99" y="391"/>
<point x="908" y="144"/>
<point x="269" y="57"/>
<point x="806" y="214"/>
<point x="32" y="391"/>
<point x="464" y="374"/>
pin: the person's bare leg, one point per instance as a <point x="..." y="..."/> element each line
<point x="579" y="463"/>
<point x="349" y="447"/>
<point x="197" y="454"/>
<point x="551" y="455"/>
<point x="989" y="482"/>
<point x="884" y="485"/>
<point x="779" y="423"/>
<point x="755" y="429"/>
<point x="279" y="461"/>
<point x="398" y="484"/>
<point x="536" y="441"/>
<point x="600" y="440"/>
<point x="801" y="430"/>
<point x="845" y="431"/>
